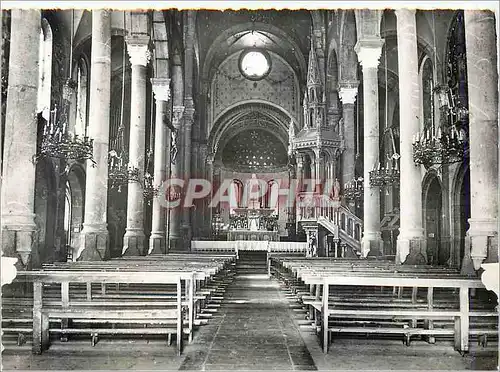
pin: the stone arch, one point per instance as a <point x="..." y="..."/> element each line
<point x="432" y="201"/>
<point x="222" y="40"/>
<point x="288" y="84"/>
<point x="76" y="183"/>
<point x="221" y="127"/>
<point x="460" y="211"/>
<point x="348" y="37"/>
<point x="45" y="212"/>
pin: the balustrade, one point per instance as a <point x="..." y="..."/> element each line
<point x="315" y="207"/>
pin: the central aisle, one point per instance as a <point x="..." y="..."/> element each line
<point x="253" y="330"/>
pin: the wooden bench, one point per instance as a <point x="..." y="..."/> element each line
<point x="210" y="277"/>
<point x="165" y="316"/>
<point x="202" y="289"/>
<point x="326" y="275"/>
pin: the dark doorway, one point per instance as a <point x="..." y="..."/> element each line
<point x="436" y="252"/>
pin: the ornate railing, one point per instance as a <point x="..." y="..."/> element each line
<point x="328" y="212"/>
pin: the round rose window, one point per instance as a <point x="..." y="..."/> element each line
<point x="255" y="64"/>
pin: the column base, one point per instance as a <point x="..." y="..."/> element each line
<point x="411" y="251"/>
<point x="467" y="267"/>
<point x="19" y="241"/>
<point x="372" y="244"/>
<point x="157" y="243"/>
<point x="175" y="243"/>
<point x="134" y="243"/>
<point x="483" y="238"/>
<point x="94" y="243"/>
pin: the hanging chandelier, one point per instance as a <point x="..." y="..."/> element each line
<point x="353" y="190"/>
<point x="388" y="176"/>
<point x="449" y="143"/>
<point x="440" y="147"/>
<point x="57" y="140"/>
<point x="120" y="171"/>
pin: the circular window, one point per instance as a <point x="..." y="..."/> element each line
<point x="255" y="64"/>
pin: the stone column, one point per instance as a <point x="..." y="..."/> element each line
<point x="312" y="185"/>
<point x="300" y="172"/>
<point x="208" y="211"/>
<point x="18" y="189"/>
<point x="369" y="51"/>
<point x="94" y="237"/>
<point x="482" y="77"/>
<point x="161" y="91"/>
<point x="175" y="236"/>
<point x="411" y="242"/>
<point x="347" y="92"/>
<point x="186" y="212"/>
<point x="134" y="238"/>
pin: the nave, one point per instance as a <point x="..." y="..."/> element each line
<point x="252" y="322"/>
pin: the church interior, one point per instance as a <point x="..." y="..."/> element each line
<point x="249" y="189"/>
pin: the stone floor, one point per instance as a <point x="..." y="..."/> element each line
<point x="255" y="329"/>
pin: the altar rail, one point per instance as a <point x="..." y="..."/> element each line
<point x="248" y="245"/>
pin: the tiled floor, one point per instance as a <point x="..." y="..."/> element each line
<point x="252" y="331"/>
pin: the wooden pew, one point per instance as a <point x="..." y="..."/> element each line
<point x="15" y="311"/>
<point x="167" y="317"/>
<point x="200" y="289"/>
<point x="329" y="274"/>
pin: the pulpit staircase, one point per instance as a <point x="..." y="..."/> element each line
<point x="344" y="229"/>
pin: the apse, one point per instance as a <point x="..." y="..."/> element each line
<point x="254" y="150"/>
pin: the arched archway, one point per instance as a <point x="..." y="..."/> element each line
<point x="437" y="254"/>
<point x="461" y="213"/>
<point x="45" y="212"/>
<point x="74" y="209"/>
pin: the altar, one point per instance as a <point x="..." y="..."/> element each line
<point x="253" y="223"/>
<point x="253" y="235"/>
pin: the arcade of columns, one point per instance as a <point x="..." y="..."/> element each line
<point x="18" y="189"/>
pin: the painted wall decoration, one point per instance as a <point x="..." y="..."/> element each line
<point x="230" y="87"/>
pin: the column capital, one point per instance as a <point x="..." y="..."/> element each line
<point x="189" y="115"/>
<point x="161" y="88"/>
<point x="369" y="51"/>
<point x="210" y="158"/>
<point x="177" y="113"/>
<point x="348" y="91"/>
<point x="138" y="51"/>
